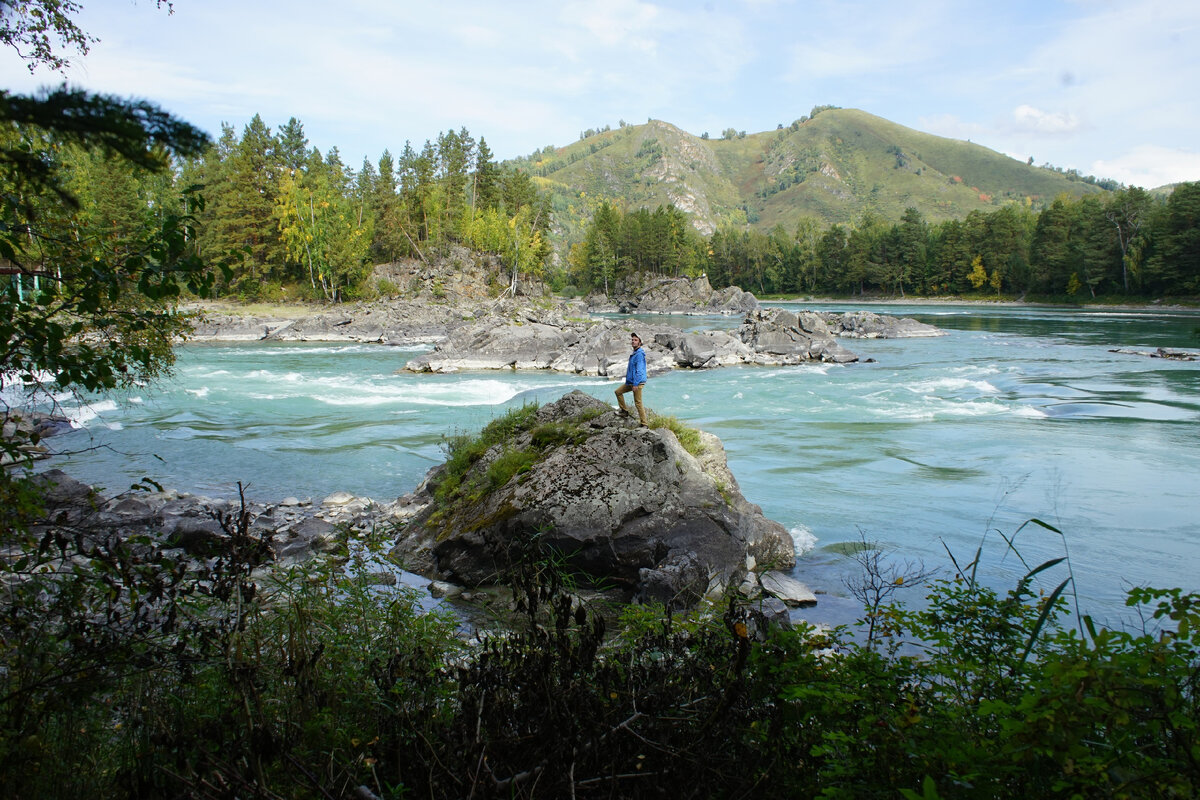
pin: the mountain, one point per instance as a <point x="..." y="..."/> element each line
<point x="833" y="166"/>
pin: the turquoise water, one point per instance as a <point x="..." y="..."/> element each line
<point x="1015" y="414"/>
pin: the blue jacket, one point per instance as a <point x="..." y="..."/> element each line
<point x="635" y="373"/>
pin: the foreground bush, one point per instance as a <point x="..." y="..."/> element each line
<point x="127" y="675"/>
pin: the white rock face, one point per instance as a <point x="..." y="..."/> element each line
<point x="338" y="499"/>
<point x="787" y="589"/>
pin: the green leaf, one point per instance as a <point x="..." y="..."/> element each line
<point x="1047" y="610"/>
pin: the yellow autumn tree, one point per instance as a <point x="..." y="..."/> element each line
<point x="322" y="231"/>
<point x="978" y="275"/>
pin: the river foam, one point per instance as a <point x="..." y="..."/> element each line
<point x="805" y="540"/>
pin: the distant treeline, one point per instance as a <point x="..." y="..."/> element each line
<point x="291" y="216"/>
<point x="1124" y="243"/>
<point x="298" y="219"/>
<point x="301" y="217"/>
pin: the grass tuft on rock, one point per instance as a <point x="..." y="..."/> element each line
<point x="687" y="436"/>
<point x="464" y="449"/>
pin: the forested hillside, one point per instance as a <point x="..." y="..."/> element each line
<point x="834" y="165"/>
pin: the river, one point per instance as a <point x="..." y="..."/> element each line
<point x="937" y="446"/>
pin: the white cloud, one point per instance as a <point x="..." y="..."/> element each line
<point x="1036" y="121"/>
<point x="479" y="36"/>
<point x="621" y="25"/>
<point x="868" y="39"/>
<point x="952" y="127"/>
<point x="1105" y="86"/>
<point x="1150" y="166"/>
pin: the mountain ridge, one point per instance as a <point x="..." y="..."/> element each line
<point x="835" y="165"/>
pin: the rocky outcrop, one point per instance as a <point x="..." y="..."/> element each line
<point x="620" y="505"/>
<point x="540" y="342"/>
<point x="869" y="325"/>
<point x="769" y="337"/>
<point x="295" y="530"/>
<point x="418" y="302"/>
<point x="394" y="323"/>
<point x="642" y="294"/>
<point x="779" y="336"/>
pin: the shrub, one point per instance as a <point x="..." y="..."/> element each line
<point x="128" y="676"/>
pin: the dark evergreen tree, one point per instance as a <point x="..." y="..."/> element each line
<point x="389" y="242"/>
<point x="911" y="251"/>
<point x="1174" y="267"/>
<point x="291" y="145"/>
<point x="486" y="192"/>
<point x="832" y="252"/>
<point x="1054" y="250"/>
<point x="243" y="184"/>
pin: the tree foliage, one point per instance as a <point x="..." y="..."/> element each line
<point x="95" y="246"/>
<point x="39" y="31"/>
<point x="1127" y="243"/>
<point x="148" y="676"/>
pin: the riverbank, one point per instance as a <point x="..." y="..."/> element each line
<point x="234" y="321"/>
<point x="1149" y="305"/>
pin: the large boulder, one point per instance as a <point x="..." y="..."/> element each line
<point x="622" y="506"/>
<point x="682" y="296"/>
<point x="703" y="349"/>
<point x="869" y="325"/>
<point x="780" y="336"/>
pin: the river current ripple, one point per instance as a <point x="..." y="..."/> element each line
<point x="931" y="450"/>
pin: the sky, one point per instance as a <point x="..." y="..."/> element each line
<point x="1108" y="87"/>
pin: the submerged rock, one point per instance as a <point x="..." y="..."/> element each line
<point x="620" y="505"/>
<point x="1162" y="352"/>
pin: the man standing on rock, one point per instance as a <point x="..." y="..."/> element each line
<point x="635" y="379"/>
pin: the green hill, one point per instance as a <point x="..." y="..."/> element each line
<point x="833" y="166"/>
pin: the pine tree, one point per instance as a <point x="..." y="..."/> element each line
<point x="387" y="241"/>
<point x="244" y="185"/>
<point x="1175" y="265"/>
<point x="291" y="145"/>
<point x="487" y="182"/>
